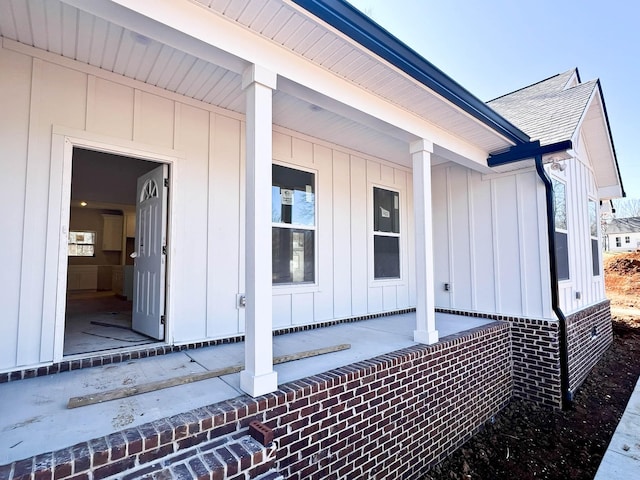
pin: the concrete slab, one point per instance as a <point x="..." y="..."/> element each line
<point x="622" y="458"/>
<point x="35" y="418"/>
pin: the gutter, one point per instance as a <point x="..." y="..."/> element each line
<point x="360" y="28"/>
<point x="536" y="151"/>
<point x="567" y="396"/>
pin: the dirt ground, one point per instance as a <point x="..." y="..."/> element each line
<point x="529" y="442"/>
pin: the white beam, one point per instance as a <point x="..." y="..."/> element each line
<point x="425" y="332"/>
<point x="258" y="376"/>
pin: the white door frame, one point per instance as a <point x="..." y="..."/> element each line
<point x="62" y="143"/>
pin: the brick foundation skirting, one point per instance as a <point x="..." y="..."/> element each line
<point x="393" y="416"/>
<point x="536" y="350"/>
<point x="589" y="334"/>
<point x="118" y="357"/>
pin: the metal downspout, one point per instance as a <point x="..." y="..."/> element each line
<point x="567" y="398"/>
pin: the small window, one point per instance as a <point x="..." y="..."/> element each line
<point x="627" y="239"/>
<point x="386" y="234"/>
<point x="82" y="243"/>
<point x="293" y="217"/>
<point x="593" y="232"/>
<point x="618" y="242"/>
<point x="561" y="234"/>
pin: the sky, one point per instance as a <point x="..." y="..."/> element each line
<point x="494" y="47"/>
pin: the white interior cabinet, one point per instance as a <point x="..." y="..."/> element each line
<point x="112" y="232"/>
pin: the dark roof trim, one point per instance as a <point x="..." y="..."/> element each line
<point x="527" y="150"/>
<point x="372" y="36"/>
<point x="613" y="148"/>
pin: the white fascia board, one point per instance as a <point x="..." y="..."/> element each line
<point x="607" y="193"/>
<point x="236" y="40"/>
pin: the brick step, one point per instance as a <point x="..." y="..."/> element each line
<point x="231" y="457"/>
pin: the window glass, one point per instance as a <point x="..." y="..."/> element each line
<point x="292" y="196"/>
<point x="293" y="216"/>
<point x="81" y="244"/>
<point x="593" y="231"/>
<point x="560" y="204"/>
<point x="386" y="233"/>
<point x="386" y="211"/>
<point x="560" y="218"/>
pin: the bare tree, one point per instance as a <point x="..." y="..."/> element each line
<point x="627" y="207"/>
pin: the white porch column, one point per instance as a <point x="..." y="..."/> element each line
<point x="425" y="332"/>
<point x="258" y="376"/>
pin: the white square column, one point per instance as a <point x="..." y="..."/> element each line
<point x="425" y="332"/>
<point x="258" y="376"/>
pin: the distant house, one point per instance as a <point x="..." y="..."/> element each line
<point x="258" y="166"/>
<point x="622" y="235"/>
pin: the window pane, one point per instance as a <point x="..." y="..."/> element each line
<point x="593" y="218"/>
<point x="562" y="255"/>
<point x="386" y="211"/>
<point x="560" y="204"/>
<point x="595" y="257"/>
<point x="293" y="255"/>
<point x="292" y="196"/>
<point x="386" y="256"/>
<point x="81" y="244"/>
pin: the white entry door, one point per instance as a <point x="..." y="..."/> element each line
<point x="150" y="253"/>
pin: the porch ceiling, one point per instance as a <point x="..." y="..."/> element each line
<point x="117" y="40"/>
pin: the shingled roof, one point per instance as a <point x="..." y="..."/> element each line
<point x="623" y="225"/>
<point x="549" y="110"/>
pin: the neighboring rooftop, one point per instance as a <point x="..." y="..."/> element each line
<point x="623" y="225"/>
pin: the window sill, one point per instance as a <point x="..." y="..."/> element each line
<point x="291" y="288"/>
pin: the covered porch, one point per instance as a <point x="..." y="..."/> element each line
<point x="37" y="419"/>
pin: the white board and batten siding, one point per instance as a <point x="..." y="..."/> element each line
<point x="580" y="187"/>
<point x="489" y="242"/>
<point x="205" y="148"/>
<point x="344" y="284"/>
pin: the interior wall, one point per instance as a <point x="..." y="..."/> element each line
<point x="91" y="219"/>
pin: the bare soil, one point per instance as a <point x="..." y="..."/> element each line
<point x="529" y="442"/>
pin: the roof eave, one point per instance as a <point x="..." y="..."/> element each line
<point x="360" y="28"/>
<point x="613" y="148"/>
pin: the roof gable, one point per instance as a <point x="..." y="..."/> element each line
<point x="550" y="110"/>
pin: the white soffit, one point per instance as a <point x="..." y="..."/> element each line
<point x="293" y="28"/>
<point x="142" y="49"/>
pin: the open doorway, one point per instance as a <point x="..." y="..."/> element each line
<point x="111" y="291"/>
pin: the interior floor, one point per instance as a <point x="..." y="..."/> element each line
<point x="97" y="321"/>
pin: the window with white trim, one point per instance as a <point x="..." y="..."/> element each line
<point x="386" y="234"/>
<point x="627" y="239"/>
<point x="618" y="242"/>
<point x="82" y="244"/>
<point x="593" y="232"/>
<point x="561" y="231"/>
<point x="293" y="217"/>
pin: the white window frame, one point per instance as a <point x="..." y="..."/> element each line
<point x="69" y="243"/>
<point x="402" y="244"/>
<point x="302" y="287"/>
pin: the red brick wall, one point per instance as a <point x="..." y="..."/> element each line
<point x="589" y="334"/>
<point x="393" y="416"/>
<point x="536" y="361"/>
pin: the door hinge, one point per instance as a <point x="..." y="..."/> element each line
<point x="164" y="249"/>
<point x="163" y="321"/>
<point x="166" y="182"/>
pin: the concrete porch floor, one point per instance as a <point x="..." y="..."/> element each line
<point x="35" y="418"/>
